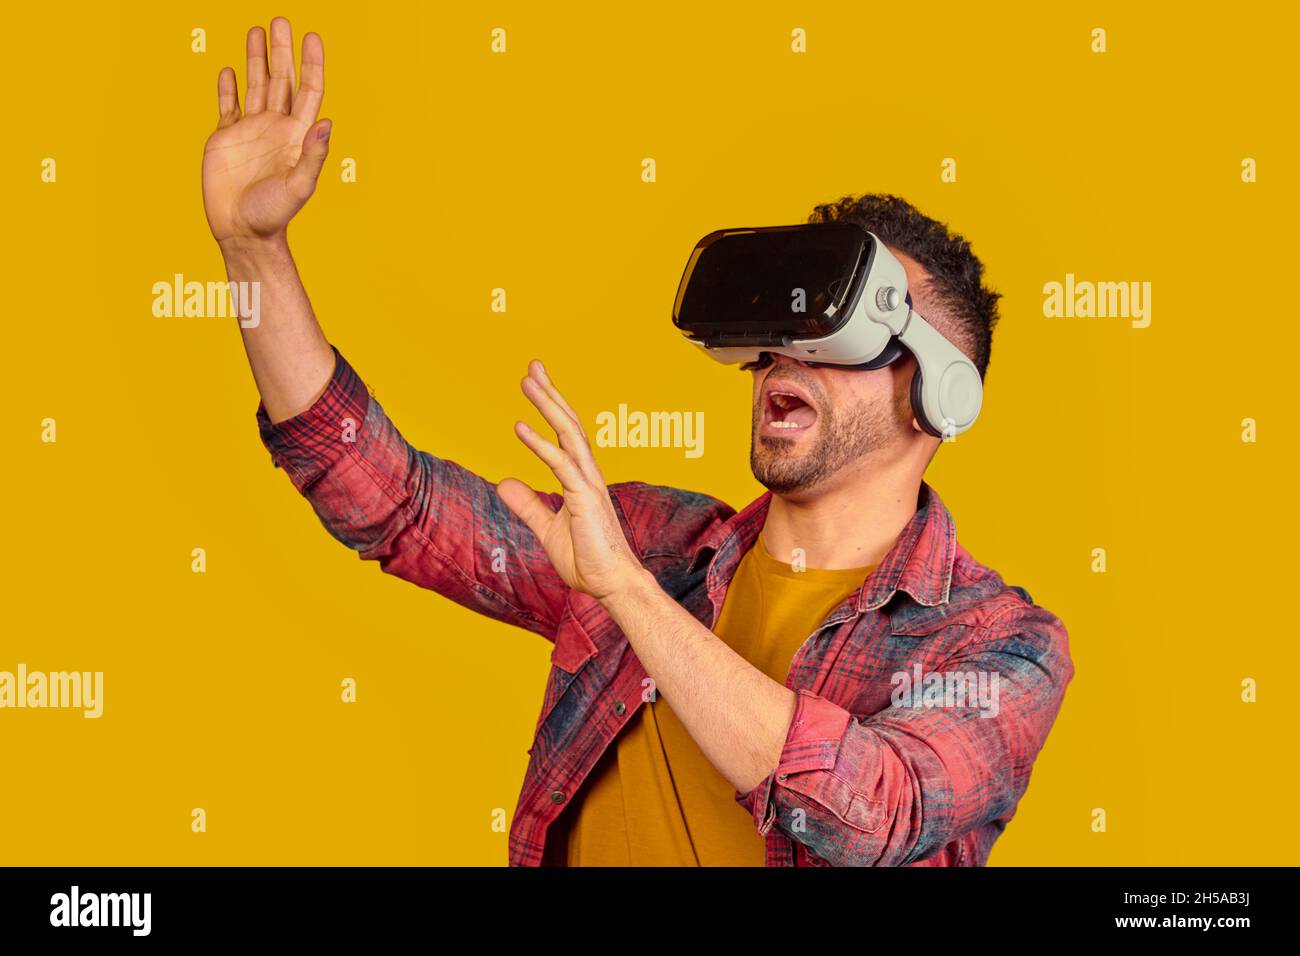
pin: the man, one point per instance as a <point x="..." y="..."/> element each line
<point x="727" y="688"/>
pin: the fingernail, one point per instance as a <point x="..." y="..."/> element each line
<point x="325" y="131"/>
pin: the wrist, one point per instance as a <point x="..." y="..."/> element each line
<point x="636" y="587"/>
<point x="246" y="254"/>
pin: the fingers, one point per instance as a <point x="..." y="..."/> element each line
<point x="543" y="378"/>
<point x="315" y="147"/>
<point x="255" y="98"/>
<point x="279" y="94"/>
<point x="527" y="506"/>
<point x="271" y="82"/>
<point x="560" y="416"/>
<point x="311" y="87"/>
<point x="572" y="480"/>
<point x="227" y="98"/>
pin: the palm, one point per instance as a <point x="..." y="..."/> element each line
<point x="557" y="542"/>
<point x="578" y="541"/>
<point x="583" y="539"/>
<point x="260" y="165"/>
<point x="245" y="174"/>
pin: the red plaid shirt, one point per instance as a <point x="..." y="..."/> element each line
<point x="864" y="779"/>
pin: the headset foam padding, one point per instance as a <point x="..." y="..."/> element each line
<point x="918" y="406"/>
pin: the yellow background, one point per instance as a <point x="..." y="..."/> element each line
<point x="523" y="171"/>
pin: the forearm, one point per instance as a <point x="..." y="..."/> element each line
<point x="736" y="714"/>
<point x="287" y="351"/>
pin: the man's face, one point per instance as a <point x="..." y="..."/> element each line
<point x="812" y="425"/>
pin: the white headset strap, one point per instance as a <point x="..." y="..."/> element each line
<point x="951" y="389"/>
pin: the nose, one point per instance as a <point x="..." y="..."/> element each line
<point x="785" y="360"/>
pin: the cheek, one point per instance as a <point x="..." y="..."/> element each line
<point x="864" y="389"/>
<point x="884" y="392"/>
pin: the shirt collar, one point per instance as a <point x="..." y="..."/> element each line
<point x="920" y="562"/>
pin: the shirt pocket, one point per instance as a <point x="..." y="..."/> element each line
<point x="573" y="647"/>
<point x="570" y="652"/>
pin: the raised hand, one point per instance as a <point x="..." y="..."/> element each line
<point x="584" y="539"/>
<point x="260" y="166"/>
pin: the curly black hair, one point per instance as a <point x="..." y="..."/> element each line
<point x="957" y="276"/>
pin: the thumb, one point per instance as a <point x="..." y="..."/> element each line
<point x="526" y="505"/>
<point x="315" y="147"/>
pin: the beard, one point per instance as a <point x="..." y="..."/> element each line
<point x="844" y="435"/>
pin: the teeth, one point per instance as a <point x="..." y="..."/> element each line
<point x="785" y="424"/>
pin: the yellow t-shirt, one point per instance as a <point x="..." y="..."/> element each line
<point x="654" y="799"/>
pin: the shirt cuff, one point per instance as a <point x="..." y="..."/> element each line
<point x="307" y="444"/>
<point x="812" y="743"/>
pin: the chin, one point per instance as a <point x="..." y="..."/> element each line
<point x="784" y="474"/>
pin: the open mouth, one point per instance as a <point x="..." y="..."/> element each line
<point x="785" y="413"/>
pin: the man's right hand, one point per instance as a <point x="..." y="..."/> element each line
<point x="260" y="166"/>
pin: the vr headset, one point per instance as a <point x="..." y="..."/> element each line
<point x="825" y="294"/>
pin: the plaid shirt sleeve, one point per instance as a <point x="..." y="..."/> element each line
<point x="892" y="788"/>
<point x="424" y="519"/>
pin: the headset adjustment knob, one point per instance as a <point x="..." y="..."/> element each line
<point x="887" y="298"/>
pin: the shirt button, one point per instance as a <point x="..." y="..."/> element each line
<point x="620" y="708"/>
<point x="557" y="796"/>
